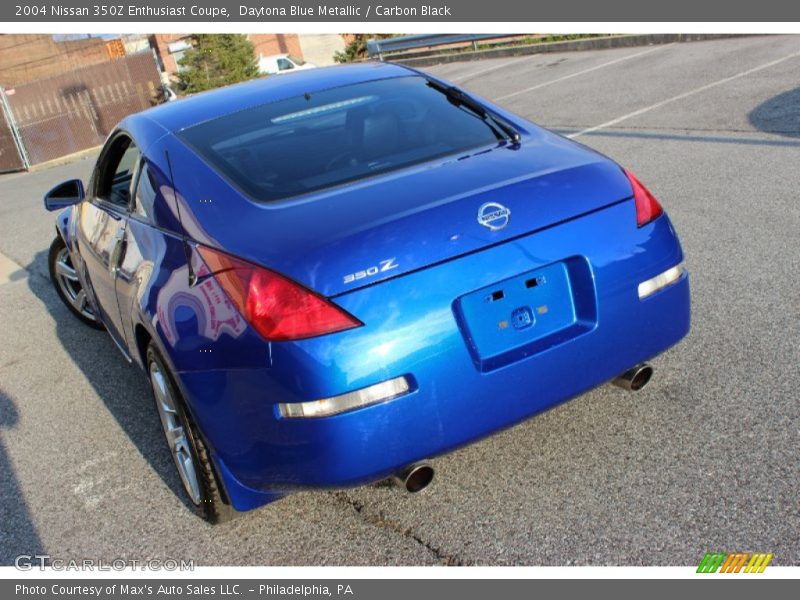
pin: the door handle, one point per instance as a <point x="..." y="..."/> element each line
<point x="116" y="253"/>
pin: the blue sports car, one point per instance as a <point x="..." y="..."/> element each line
<point x="331" y="276"/>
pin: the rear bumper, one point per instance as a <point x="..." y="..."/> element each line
<point x="411" y="329"/>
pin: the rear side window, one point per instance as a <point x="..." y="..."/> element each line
<point x="145" y="193"/>
<point x="115" y="175"/>
<point x="341" y="135"/>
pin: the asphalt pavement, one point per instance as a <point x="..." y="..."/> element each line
<point x="706" y="458"/>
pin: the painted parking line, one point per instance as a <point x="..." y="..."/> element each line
<point x="737" y="138"/>
<point x="583" y="72"/>
<point x="478" y="73"/>
<point x="691" y="92"/>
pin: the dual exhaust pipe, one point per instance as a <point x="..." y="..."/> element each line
<point x="416" y="477"/>
<point x="636" y="378"/>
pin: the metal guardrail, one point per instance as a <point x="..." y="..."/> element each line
<point x="425" y="40"/>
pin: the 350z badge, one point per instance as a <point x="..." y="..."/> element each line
<point x="381" y="267"/>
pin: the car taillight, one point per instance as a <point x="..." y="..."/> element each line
<point x="647" y="207"/>
<point x="278" y="308"/>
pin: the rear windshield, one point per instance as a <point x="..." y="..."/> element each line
<point x="340" y="135"/>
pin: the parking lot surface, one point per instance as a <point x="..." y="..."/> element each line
<point x="706" y="458"/>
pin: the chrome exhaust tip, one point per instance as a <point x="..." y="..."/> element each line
<point x="636" y="378"/>
<point x="414" y="478"/>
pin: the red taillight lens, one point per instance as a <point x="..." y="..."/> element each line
<point x="278" y="308"/>
<point x="647" y="207"/>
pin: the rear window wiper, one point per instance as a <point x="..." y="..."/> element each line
<point x="459" y="98"/>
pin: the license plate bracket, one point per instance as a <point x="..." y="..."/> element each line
<point x="529" y="313"/>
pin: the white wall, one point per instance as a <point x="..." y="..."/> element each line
<point x="319" y="48"/>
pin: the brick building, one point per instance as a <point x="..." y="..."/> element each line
<point x="25" y="57"/>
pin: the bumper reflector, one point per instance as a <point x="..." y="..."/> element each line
<point x="386" y="390"/>
<point x="662" y="280"/>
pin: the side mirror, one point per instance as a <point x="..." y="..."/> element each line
<point x="64" y="194"/>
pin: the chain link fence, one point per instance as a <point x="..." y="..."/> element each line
<point x="65" y="114"/>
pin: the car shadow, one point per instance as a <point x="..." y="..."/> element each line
<point x="17" y="530"/>
<point x="779" y="115"/>
<point x="121" y="386"/>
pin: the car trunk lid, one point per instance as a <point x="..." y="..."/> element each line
<point x="348" y="237"/>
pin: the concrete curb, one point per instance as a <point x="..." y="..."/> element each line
<point x="600" y="43"/>
<point x="66" y="159"/>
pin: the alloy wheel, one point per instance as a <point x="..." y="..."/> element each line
<point x="175" y="432"/>
<point x="70" y="285"/>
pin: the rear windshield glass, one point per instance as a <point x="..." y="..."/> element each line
<point x="340" y="135"/>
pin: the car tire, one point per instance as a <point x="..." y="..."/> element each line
<point x="185" y="443"/>
<point x="68" y="285"/>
